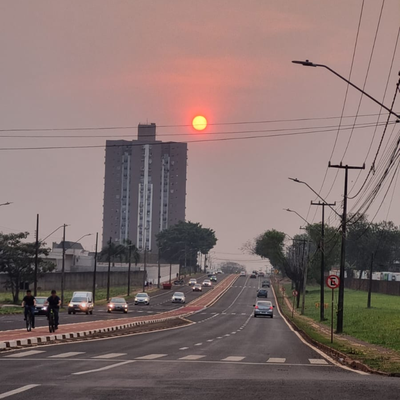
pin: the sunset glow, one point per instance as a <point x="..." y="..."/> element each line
<point x="199" y="123"/>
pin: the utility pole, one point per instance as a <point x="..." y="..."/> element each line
<point x="159" y="268"/>
<point x="109" y="269"/>
<point x="63" y="267"/>
<point x="95" y="268"/>
<point x="370" y="281"/>
<point x="322" y="248"/>
<point x="339" y="325"/>
<point x="129" y="269"/>
<point x="144" y="267"/>
<point x="36" y="256"/>
<point x="305" y="270"/>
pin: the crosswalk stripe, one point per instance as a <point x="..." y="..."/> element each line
<point x="193" y="357"/>
<point x="276" y="360"/>
<point x="151" y="356"/>
<point x="233" y="358"/>
<point x="320" y="361"/>
<point x="69" y="354"/>
<point x="111" y="355"/>
<point x="25" y="354"/>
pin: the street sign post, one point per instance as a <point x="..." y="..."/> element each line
<point x="295" y="294"/>
<point x="333" y="282"/>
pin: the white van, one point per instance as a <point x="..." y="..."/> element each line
<point x="81" y="302"/>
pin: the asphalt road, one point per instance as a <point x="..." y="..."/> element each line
<point x="225" y="354"/>
<point x="159" y="302"/>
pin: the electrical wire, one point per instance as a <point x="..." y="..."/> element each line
<point x="131" y="144"/>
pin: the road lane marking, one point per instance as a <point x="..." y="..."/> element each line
<point x="183" y="348"/>
<point x="198" y="344"/>
<point x="276" y="360"/>
<point x="111" y="355"/>
<point x="319" y="361"/>
<point x="228" y="334"/>
<point x="151" y="356"/>
<point x="219" y="337"/>
<point x="210" y="340"/>
<point x="233" y="358"/>
<point x="16" y="391"/>
<point x="25" y="354"/>
<point x="192" y="357"/>
<point x="103" y="368"/>
<point x="69" y="354"/>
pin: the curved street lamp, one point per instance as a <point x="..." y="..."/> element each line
<point x="308" y="63"/>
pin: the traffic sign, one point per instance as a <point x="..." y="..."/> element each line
<point x="295" y="293"/>
<point x="332" y="281"/>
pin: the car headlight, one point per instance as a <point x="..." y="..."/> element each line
<point x="83" y="305"/>
<point x="111" y="305"/>
<point x="126" y="305"/>
<point x="70" y="305"/>
<point x="44" y="308"/>
<point x="135" y="298"/>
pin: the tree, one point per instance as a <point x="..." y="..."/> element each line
<point x="17" y="259"/>
<point x="271" y="245"/>
<point x="182" y="242"/>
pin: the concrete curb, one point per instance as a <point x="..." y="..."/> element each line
<point x="40" y="340"/>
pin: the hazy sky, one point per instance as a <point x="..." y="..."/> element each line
<point x="68" y="64"/>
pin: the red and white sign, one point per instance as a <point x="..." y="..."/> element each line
<point x="295" y="293"/>
<point x="332" y="281"/>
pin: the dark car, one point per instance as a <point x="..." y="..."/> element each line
<point x="265" y="284"/>
<point x="262" y="293"/>
<point x="264" y="308"/>
<point x="213" y="278"/>
<point x="40" y="308"/>
<point x="253" y="276"/>
<point x="117" y="304"/>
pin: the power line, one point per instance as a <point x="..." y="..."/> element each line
<point x="130" y="144"/>
<point x="124" y="127"/>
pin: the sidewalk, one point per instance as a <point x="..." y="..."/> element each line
<point x="21" y="337"/>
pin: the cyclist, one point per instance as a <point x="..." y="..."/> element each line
<point x="54" y="303"/>
<point x="29" y="303"/>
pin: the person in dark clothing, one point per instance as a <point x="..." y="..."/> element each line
<point x="53" y="303"/>
<point x="29" y="303"/>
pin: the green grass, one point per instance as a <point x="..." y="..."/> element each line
<point x="379" y="325"/>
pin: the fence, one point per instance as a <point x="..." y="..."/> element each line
<point x="384" y="287"/>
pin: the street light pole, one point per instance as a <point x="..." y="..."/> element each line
<point x="95" y="268"/>
<point x="63" y="267"/>
<point x="129" y="270"/>
<point x="36" y="256"/>
<point x="308" y="63"/>
<point x="322" y="271"/>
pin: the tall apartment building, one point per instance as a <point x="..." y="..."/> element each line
<point x="144" y="188"/>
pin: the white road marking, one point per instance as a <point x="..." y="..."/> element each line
<point x="25" y="354"/>
<point x="233" y="313"/>
<point x="210" y="340"/>
<point x="69" y="354"/>
<point x="219" y="337"/>
<point x="276" y="360"/>
<point x="228" y="334"/>
<point x="103" y="368"/>
<point x="183" y="348"/>
<point x="233" y="358"/>
<point x="193" y="357"/>
<point x="151" y="356"/>
<point x="16" y="391"/>
<point x="319" y="361"/>
<point x="198" y="344"/>
<point x="111" y="355"/>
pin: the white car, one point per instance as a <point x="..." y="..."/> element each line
<point x="242" y="273"/>
<point x="192" y="282"/>
<point x="142" y="298"/>
<point x="178" y="297"/>
<point x="207" y="282"/>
